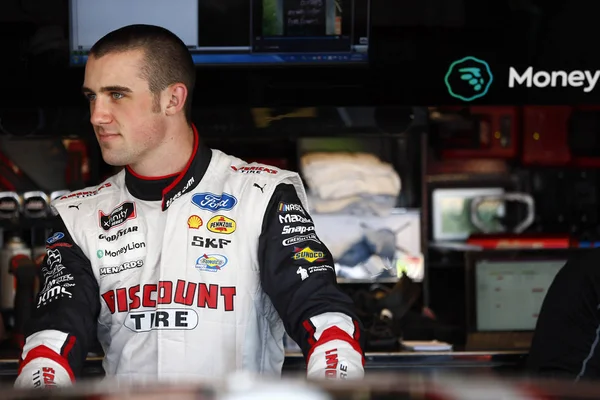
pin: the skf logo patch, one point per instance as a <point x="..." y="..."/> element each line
<point x="118" y="216"/>
<point x="221" y="224"/>
<point x="308" y="254"/>
<point x="194" y="222"/>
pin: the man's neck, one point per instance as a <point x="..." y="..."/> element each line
<point x="170" y="158"/>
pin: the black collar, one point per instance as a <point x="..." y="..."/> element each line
<point x="169" y="188"/>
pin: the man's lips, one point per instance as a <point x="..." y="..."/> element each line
<point x="107" y="136"/>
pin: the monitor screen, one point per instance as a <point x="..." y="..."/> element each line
<point x="509" y="293"/>
<point x="236" y="32"/>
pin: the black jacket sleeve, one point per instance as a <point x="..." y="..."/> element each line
<point x="68" y="300"/>
<point x="297" y="270"/>
<point x="568" y="328"/>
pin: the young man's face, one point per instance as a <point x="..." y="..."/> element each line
<point x="127" y="118"/>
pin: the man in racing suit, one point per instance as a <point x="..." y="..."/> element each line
<point x="192" y="272"/>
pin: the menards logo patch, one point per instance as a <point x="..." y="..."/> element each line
<point x="308" y="254"/>
<point x="221" y="224"/>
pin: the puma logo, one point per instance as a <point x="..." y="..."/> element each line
<point x="75" y="206"/>
<point x="262" y="189"/>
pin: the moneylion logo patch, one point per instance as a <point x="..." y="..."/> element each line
<point x="221" y="224"/>
<point x="308" y="254"/>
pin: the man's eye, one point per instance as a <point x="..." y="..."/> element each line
<point x="116" y="95"/>
<point x="90" y="96"/>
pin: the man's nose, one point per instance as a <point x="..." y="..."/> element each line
<point x="99" y="113"/>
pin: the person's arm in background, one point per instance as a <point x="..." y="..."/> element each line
<point x="63" y="324"/>
<point x="316" y="313"/>
<point x="567" y="334"/>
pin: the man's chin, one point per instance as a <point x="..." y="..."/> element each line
<point x="112" y="160"/>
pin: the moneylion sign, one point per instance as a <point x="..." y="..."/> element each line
<point x="585" y="79"/>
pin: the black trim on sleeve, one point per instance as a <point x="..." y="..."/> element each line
<point x="69" y="297"/>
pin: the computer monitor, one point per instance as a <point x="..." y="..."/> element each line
<point x="506" y="289"/>
<point x="236" y="32"/>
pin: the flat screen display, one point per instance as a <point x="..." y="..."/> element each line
<point x="509" y="294"/>
<point x="236" y="32"/>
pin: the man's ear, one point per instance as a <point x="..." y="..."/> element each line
<point x="175" y="98"/>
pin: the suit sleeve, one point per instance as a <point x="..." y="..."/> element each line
<point x="567" y="331"/>
<point x="297" y="273"/>
<point x="63" y="324"/>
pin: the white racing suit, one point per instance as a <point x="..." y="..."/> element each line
<point x="189" y="276"/>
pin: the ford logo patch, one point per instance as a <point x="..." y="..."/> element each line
<point x="55" y="238"/>
<point x="214" y="202"/>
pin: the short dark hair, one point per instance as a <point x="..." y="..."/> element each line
<point x="167" y="60"/>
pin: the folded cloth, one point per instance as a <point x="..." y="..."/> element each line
<point x="380" y="205"/>
<point x="333" y="176"/>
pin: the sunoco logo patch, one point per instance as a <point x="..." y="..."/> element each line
<point x="118" y="216"/>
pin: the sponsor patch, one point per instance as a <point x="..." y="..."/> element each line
<point x="308" y="254"/>
<point x="177" y="195"/>
<point x="294" y="219"/>
<point x="55" y="238"/>
<point x="209" y="243"/>
<point x="297" y="239"/>
<point x="183" y="293"/>
<point x="302" y="272"/>
<point x="194" y="222"/>
<point x="287" y="207"/>
<point x="118" y="234"/>
<point x="88" y="193"/>
<point x="116" y="252"/>
<point x="123" y="267"/>
<point x="55" y="286"/>
<point x="214" y="202"/>
<point x="53" y="266"/>
<point x="221" y="224"/>
<point x="254" y="169"/>
<point x="170" y="319"/>
<point x="59" y="244"/>
<point x="211" y="262"/>
<point x="289" y="230"/>
<point x="54" y="293"/>
<point x="118" y="216"/>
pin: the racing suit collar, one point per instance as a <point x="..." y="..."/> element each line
<point x="171" y="187"/>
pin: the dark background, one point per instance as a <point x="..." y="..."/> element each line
<point x="412" y="44"/>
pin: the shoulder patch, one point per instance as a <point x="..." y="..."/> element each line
<point x="255" y="169"/>
<point x="84" y="193"/>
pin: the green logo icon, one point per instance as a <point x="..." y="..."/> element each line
<point x="468" y="78"/>
<point x="100" y="253"/>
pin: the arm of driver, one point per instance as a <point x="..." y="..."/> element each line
<point x="63" y="324"/>
<point x="316" y="313"/>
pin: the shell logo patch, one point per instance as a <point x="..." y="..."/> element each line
<point x="221" y="224"/>
<point x="194" y="222"/>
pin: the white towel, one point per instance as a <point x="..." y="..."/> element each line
<point x="332" y="176"/>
